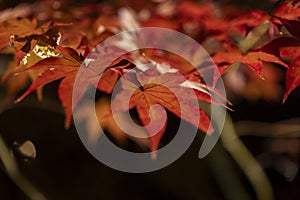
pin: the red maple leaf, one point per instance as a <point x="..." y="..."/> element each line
<point x="254" y="60"/>
<point x="287" y="14"/>
<point x="275" y="45"/>
<point x="67" y="68"/>
<point x="149" y="88"/>
<point x="24" y="34"/>
<point x="289" y="10"/>
<point x="248" y="20"/>
<point x="290" y="51"/>
<point x="292" y="77"/>
<point x="21" y="27"/>
<point x="58" y="68"/>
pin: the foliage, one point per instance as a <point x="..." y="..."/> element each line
<point x="50" y="41"/>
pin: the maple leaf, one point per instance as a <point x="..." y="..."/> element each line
<point x="56" y="68"/>
<point x="175" y="61"/>
<point x="275" y="45"/>
<point x="288" y="48"/>
<point x="287" y="14"/>
<point x="253" y="60"/>
<point x="242" y="28"/>
<point x="248" y="20"/>
<point x="38" y="53"/>
<point x="289" y="10"/>
<point x="292" y="26"/>
<point x="72" y="39"/>
<point x="67" y="68"/>
<point x="292" y="77"/>
<point x="24" y="34"/>
<point x="289" y="51"/>
<point x="20" y="26"/>
<point x="150" y="88"/>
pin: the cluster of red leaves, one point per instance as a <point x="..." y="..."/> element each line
<point x="287" y="16"/>
<point x="60" y="37"/>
